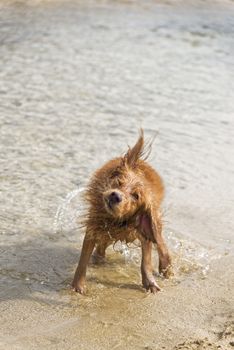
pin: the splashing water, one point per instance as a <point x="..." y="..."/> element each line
<point x="69" y="212"/>
<point x="188" y="257"/>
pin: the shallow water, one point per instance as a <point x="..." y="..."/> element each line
<point x="77" y="81"/>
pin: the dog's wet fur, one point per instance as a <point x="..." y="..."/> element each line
<point x="124" y="198"/>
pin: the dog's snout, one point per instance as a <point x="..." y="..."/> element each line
<point x="115" y="198"/>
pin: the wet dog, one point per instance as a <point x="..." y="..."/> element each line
<point x="124" y="198"/>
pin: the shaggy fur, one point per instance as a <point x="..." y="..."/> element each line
<point x="124" y="198"/>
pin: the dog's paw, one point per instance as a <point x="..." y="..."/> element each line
<point x="154" y="288"/>
<point x="150" y="285"/>
<point x="78" y="288"/>
<point x="167" y="272"/>
<point x="97" y="259"/>
<point x="165" y="267"/>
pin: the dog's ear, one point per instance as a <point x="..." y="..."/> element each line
<point x="149" y="224"/>
<point x="136" y="152"/>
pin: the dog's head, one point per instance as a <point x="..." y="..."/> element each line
<point x="125" y="191"/>
<point x="125" y="194"/>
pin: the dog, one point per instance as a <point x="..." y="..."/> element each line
<point x="124" y="198"/>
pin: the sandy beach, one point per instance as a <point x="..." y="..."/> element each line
<point x="77" y="81"/>
<point x="187" y="316"/>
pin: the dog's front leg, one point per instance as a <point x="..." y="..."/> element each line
<point x="80" y="274"/>
<point x="164" y="257"/>
<point x="148" y="280"/>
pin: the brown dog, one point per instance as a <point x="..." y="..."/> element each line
<point x="124" y="198"/>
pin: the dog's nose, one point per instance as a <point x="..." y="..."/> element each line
<point x="115" y="198"/>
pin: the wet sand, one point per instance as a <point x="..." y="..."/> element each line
<point x="196" y="315"/>
<point x="77" y="81"/>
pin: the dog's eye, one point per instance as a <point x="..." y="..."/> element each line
<point x="135" y="195"/>
<point x="114" y="174"/>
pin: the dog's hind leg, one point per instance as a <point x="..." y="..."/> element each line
<point x="99" y="254"/>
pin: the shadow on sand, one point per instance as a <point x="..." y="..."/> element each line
<point x="40" y="267"/>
